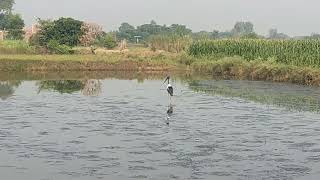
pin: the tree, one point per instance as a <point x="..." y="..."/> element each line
<point x="147" y="30"/>
<point x="66" y="31"/>
<point x="14" y="24"/>
<point x="180" y="30"/>
<point x="6" y="6"/>
<point x="92" y="31"/>
<point x="242" y="28"/>
<point x="273" y="34"/>
<point x="127" y="31"/>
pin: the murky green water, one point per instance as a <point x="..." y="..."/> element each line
<point x="117" y="126"/>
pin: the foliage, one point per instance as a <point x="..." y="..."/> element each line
<point x="106" y="41"/>
<point x="179" y="30"/>
<point x="92" y="31"/>
<point x="239" y="68"/>
<point x="16" y="47"/>
<point x="14" y="24"/>
<point x="203" y="35"/>
<point x="6" y="6"/>
<point x="55" y="48"/>
<point x="293" y="52"/>
<point x="242" y="28"/>
<point x="127" y="31"/>
<point x="273" y="34"/>
<point x="250" y="36"/>
<point x="186" y="59"/>
<point x="144" y="31"/>
<point x="66" y="31"/>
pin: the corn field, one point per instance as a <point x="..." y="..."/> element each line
<point x="292" y="52"/>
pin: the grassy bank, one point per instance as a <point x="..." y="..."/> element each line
<point x="130" y="61"/>
<point x="213" y="58"/>
<point x="239" y="68"/>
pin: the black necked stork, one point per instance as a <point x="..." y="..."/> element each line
<point x="169" y="86"/>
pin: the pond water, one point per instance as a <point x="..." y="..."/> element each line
<point x="120" y="128"/>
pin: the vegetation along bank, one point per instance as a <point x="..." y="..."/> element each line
<point x="67" y="44"/>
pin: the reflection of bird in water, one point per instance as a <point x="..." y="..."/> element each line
<point x="169" y="113"/>
<point x="169" y="86"/>
<point x="170" y="110"/>
<point x="92" y="88"/>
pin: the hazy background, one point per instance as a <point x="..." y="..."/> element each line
<point x="294" y="17"/>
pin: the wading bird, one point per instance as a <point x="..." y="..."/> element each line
<point x="169" y="87"/>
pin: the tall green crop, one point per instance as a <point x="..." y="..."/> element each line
<point x="293" y="52"/>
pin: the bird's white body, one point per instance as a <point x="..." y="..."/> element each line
<point x="170" y="89"/>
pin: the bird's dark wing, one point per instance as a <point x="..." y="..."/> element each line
<point x="170" y="91"/>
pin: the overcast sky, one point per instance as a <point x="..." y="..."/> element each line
<point x="294" y="17"/>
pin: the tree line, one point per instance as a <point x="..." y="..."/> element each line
<point x="62" y="34"/>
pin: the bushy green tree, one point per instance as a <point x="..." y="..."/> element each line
<point x="127" y="31"/>
<point x="66" y="31"/>
<point x="14" y="24"/>
<point x="180" y="30"/>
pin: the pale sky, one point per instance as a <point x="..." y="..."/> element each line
<point x="293" y="17"/>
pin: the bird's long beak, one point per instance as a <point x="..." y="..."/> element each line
<point x="166" y="80"/>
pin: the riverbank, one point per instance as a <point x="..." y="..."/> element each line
<point x="148" y="61"/>
<point x="238" y="68"/>
<point x="126" y="61"/>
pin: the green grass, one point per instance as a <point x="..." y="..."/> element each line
<point x="238" y="68"/>
<point x="135" y="60"/>
<point x="16" y="47"/>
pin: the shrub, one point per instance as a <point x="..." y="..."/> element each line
<point x="106" y="41"/>
<point x="55" y="48"/>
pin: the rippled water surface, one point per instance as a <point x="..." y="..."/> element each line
<point x="120" y="129"/>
